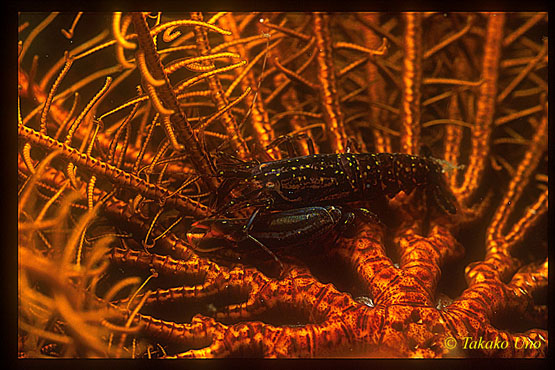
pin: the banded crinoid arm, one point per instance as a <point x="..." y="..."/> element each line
<point x="174" y="116"/>
<point x="321" y="301"/>
<point x="101" y="168"/>
<point x="483" y="125"/>
<point x="248" y="80"/>
<point x="334" y="329"/>
<point x="60" y="116"/>
<point x="404" y="294"/>
<point x="217" y="92"/>
<point x="189" y="265"/>
<point x="488" y="294"/>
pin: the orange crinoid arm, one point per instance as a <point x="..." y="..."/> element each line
<point x="124" y="118"/>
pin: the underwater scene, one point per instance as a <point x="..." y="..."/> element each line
<point x="282" y="185"/>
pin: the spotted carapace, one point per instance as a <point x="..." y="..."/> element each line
<point x="323" y="179"/>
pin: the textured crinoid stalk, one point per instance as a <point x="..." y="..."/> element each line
<point x="124" y="118"/>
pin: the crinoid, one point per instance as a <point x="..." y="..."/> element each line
<point x="116" y="144"/>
